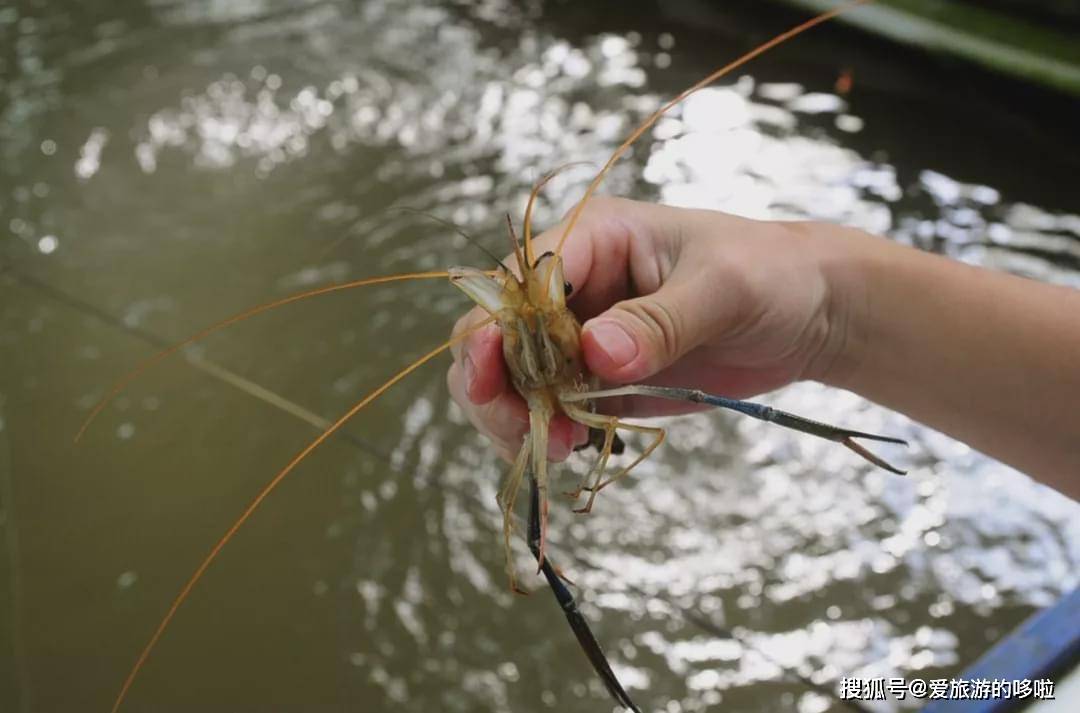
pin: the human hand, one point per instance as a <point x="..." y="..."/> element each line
<point x="673" y="297"/>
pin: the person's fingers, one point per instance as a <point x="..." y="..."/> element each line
<point x="480" y="357"/>
<point x="597" y="254"/>
<point x="563" y="436"/>
<point x="618" y="248"/>
<point x="638" y="337"/>
<point x="467" y="321"/>
<point x="504" y="419"/>
<point x="483" y="365"/>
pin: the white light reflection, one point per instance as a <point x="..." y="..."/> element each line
<point x="47" y="244"/>
<point x="973" y="225"/>
<point x="739" y="155"/>
<point x="90" y="154"/>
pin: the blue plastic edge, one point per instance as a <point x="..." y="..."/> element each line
<point x="1047" y="643"/>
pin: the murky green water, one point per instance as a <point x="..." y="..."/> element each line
<point x="165" y="164"/>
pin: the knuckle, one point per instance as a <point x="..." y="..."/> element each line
<point x="662" y="322"/>
<point x="595" y="206"/>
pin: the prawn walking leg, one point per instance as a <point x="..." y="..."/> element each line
<point x="538" y="433"/>
<point x="658" y="435"/>
<point x="506" y="498"/>
<point x="597" y="470"/>
<point x="609" y="424"/>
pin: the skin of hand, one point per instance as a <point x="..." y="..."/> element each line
<point x="672" y="297"/>
<point x="732" y="306"/>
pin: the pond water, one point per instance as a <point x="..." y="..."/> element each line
<point x="165" y="164"/>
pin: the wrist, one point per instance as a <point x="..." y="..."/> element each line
<point x="844" y="259"/>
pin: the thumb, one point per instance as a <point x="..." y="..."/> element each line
<point x="637" y="338"/>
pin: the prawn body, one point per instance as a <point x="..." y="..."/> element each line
<point x="541" y="336"/>
<point x="542" y="350"/>
<point x="541" y="341"/>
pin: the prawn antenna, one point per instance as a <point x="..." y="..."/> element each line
<point x="655" y="116"/>
<point x="141" y="367"/>
<point x="267" y="489"/>
<point x="533" y="195"/>
<point x="453" y="226"/>
<point x="523" y="264"/>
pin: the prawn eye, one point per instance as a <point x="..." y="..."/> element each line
<point x="567" y="288"/>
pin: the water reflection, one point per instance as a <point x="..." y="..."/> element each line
<point x="174" y="162"/>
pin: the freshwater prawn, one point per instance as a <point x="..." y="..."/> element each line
<point x="542" y="349"/>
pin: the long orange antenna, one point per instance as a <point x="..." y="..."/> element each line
<point x="127" y="378"/>
<point x="530" y="254"/>
<point x="523" y="265"/>
<point x="267" y="489"/>
<point x="652" y="119"/>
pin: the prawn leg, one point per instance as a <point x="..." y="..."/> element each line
<point x="539" y="419"/>
<point x="506" y="498"/>
<point x="598" y="468"/>
<point x="843" y="436"/>
<point x="566" y="601"/>
<point x="609" y="424"/>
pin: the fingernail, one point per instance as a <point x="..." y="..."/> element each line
<point x="470" y="373"/>
<point x="613" y="341"/>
